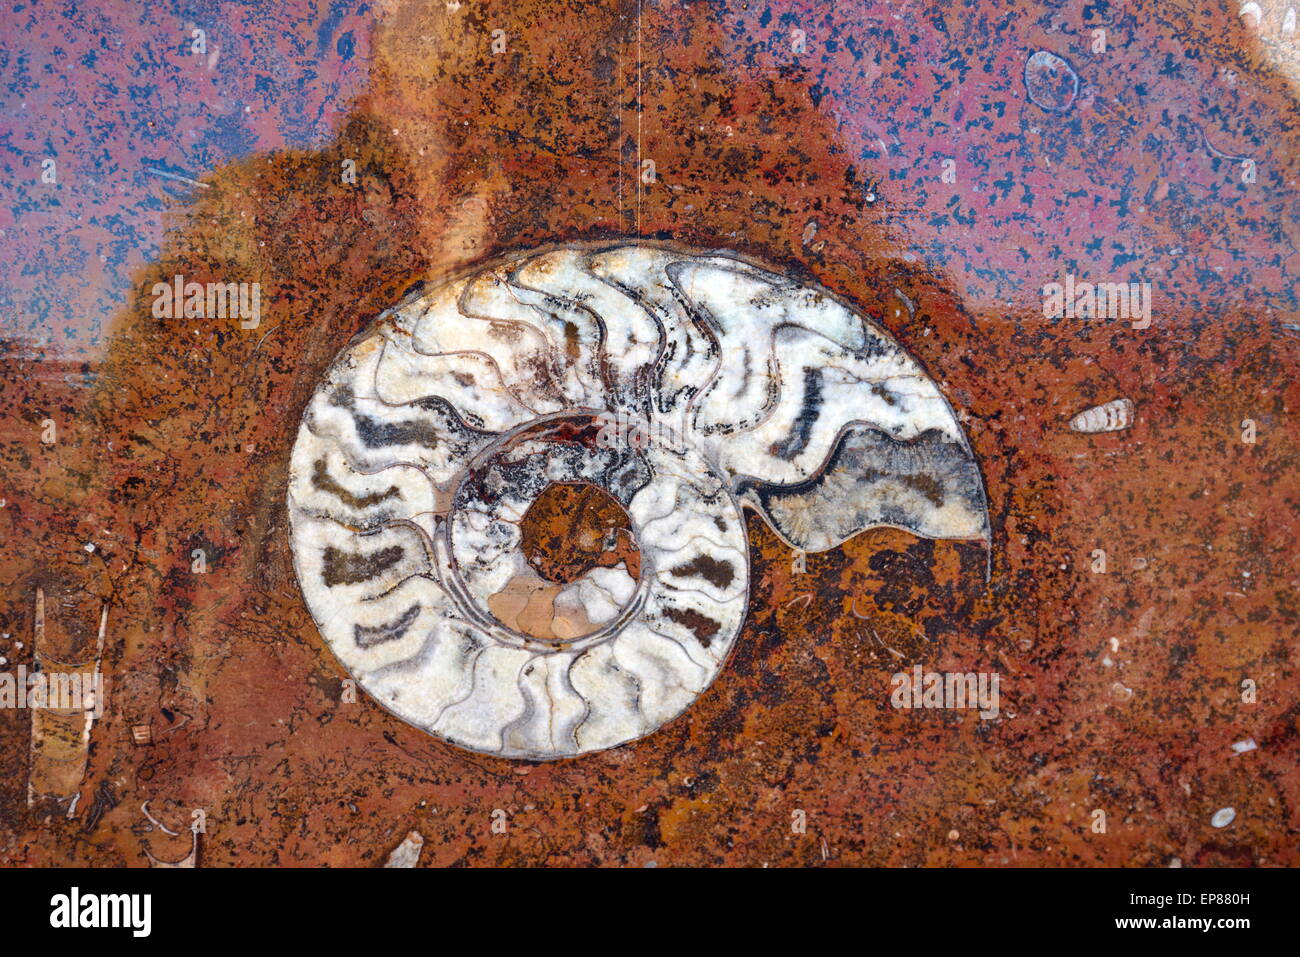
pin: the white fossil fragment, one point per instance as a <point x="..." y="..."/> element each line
<point x="407" y="854"/>
<point x="71" y="701"/>
<point x="189" y="860"/>
<point x="1223" y="817"/>
<point x="684" y="386"/>
<point x="1050" y="81"/>
<point x="1111" y="416"/>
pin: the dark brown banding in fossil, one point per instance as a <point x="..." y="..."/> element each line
<point x="376" y="434"/>
<point x="505" y="331"/>
<point x="927" y="485"/>
<point x="872" y="478"/>
<point x="702" y="626"/>
<point x="804" y="423"/>
<point x="572" y="344"/>
<point x="349" y="568"/>
<point x="890" y="397"/>
<point x="715" y="572"/>
<point x="321" y="479"/>
<point x="367" y="636"/>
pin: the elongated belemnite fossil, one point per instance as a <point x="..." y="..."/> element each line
<point x="683" y="386"/>
<point x="1109" y="417"/>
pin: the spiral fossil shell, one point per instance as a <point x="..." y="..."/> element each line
<point x="432" y="434"/>
<point x="1113" y="416"/>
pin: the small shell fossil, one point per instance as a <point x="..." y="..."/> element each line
<point x="1112" y="416"/>
<point x="1223" y="817"/>
<point x="1050" y="81"/>
<point x="686" y="387"/>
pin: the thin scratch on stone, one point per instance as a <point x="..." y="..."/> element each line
<point x="177" y="177"/>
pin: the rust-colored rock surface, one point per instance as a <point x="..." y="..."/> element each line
<point x="1138" y="599"/>
<point x="573" y="527"/>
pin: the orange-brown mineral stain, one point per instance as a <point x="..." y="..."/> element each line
<point x="572" y="527"/>
<point x="462" y="154"/>
<point x="569" y="529"/>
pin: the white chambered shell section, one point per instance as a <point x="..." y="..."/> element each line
<point x="1113" y="416"/>
<point x="432" y="433"/>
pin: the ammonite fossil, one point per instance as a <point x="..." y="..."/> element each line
<point x="684" y="387"/>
